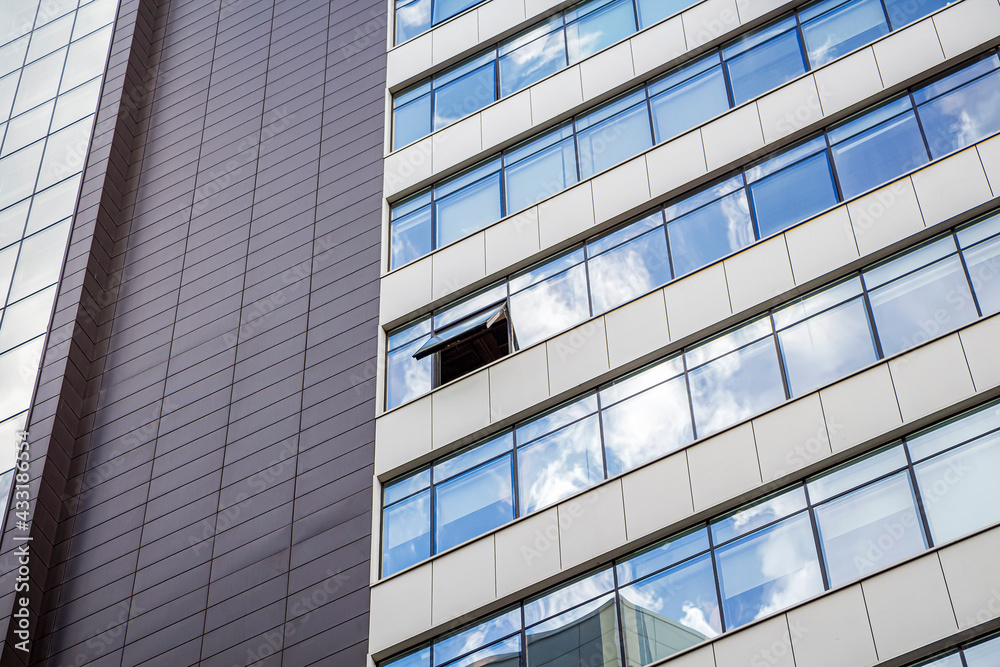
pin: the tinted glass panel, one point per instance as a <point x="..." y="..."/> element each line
<point x="462" y="96"/>
<point x="412" y="122"/>
<point x="550" y="307"/>
<point x="922" y="305"/>
<point x="407" y="377"/>
<point x="962" y="117"/>
<point x="983" y="262"/>
<point x="670" y="611"/>
<point x="765" y="66"/>
<point x="689" y="103"/>
<point x="600" y="29"/>
<point x="654" y="11"/>
<point x="412" y="19"/>
<point x="986" y="654"/>
<point x="714" y="231"/>
<point x="474" y="503"/>
<point x="879" y="155"/>
<point x="869" y="529"/>
<point x="843" y="29"/>
<point x="487" y="632"/>
<point x="586" y="635"/>
<point x="406" y="535"/>
<point x="545" y="173"/>
<point x="628" y="271"/>
<point x="614" y="140"/>
<point x="18" y="385"/>
<point x="812" y="182"/>
<point x="735" y="386"/>
<point x="647" y="426"/>
<point x="468" y="210"/>
<point x="769" y="570"/>
<point x="40" y="261"/>
<point x="902" y="12"/>
<point x="959" y="488"/>
<point x="536" y="55"/>
<point x="559" y="465"/>
<point x="827" y="347"/>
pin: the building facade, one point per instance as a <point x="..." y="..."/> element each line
<point x="438" y="333"/>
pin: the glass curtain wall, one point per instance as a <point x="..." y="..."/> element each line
<point x="790" y="351"/>
<point x="833" y="528"/>
<point x="52" y="61"/>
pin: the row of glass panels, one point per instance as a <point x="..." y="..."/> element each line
<point x="51" y="67"/>
<point x="834" y="528"/>
<point x="872" y="148"/>
<point x="599" y="139"/>
<point x="980" y="653"/>
<point x="937" y="286"/>
<point x="754" y="63"/>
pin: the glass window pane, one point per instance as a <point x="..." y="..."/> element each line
<point x="407" y="486"/>
<point x="959" y="488"/>
<point x="53" y="205"/>
<point x="689" y="103"/>
<point x="550" y="307"/>
<point x="419" y="658"/>
<point x="922" y="305"/>
<point x="909" y="260"/>
<point x="556" y="418"/>
<point x="647" y="426"/>
<point x="469" y="639"/>
<point x="473" y="503"/>
<point x="26" y="319"/>
<point x="506" y="653"/>
<point x="820" y="300"/>
<point x="600" y="29"/>
<point x="954" y="431"/>
<point x="710" y="233"/>
<point x="869" y="529"/>
<point x="765" y="66"/>
<point x="630" y="385"/>
<point x="407" y="377"/>
<point x="47" y="39"/>
<point x="12" y="54"/>
<point x="445" y="9"/>
<point x="8" y="441"/>
<point x="8" y="257"/>
<point x="979" y="230"/>
<point x="963" y="116"/>
<point x="586" y="635"/>
<point x="628" y="271"/>
<point x="28" y="128"/>
<point x="670" y="611"/>
<point x="531" y="57"/>
<point x="983" y="262"/>
<point x="986" y="654"/>
<point x="614" y="140"/>
<point x="473" y="456"/>
<point x="39" y="82"/>
<point x="856" y="473"/>
<point x="94" y="15"/>
<point x="570" y="595"/>
<point x="844" y="29"/>
<point x="728" y="341"/>
<point x="19" y="367"/>
<point x="463" y="96"/>
<point x="793" y="194"/>
<point x="543" y="174"/>
<point x="669" y="552"/>
<point x="75" y="104"/>
<point x="545" y="269"/>
<point x="411" y="122"/>
<point x="902" y="12"/>
<point x="735" y="386"/>
<point x="406" y="533"/>
<point x="412" y="20"/>
<point x="484" y="298"/>
<point x="827" y="347"/>
<point x="8" y="87"/>
<point x="653" y="11"/>
<point x="18" y="172"/>
<point x="559" y="465"/>
<point x="953" y="660"/>
<point x="40" y="261"/>
<point x="626" y="232"/>
<point x="86" y="59"/>
<point x="12" y="221"/>
<point x="768" y="571"/>
<point x="411" y="237"/>
<point x="879" y="155"/>
<point x="65" y="153"/>
<point x="757" y="514"/>
<point x="468" y="210"/>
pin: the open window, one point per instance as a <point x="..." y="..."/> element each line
<point x="469" y="344"/>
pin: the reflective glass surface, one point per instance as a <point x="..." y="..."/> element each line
<point x="963" y="116"/>
<point x="867" y="529"/>
<point x="767" y="64"/>
<point x="551" y="306"/>
<point x="768" y="570"/>
<point x="559" y="465"/>
<point x="710" y="233"/>
<point x="647" y="426"/>
<point x="836" y="27"/>
<point x="406" y="533"/>
<point x="474" y="503"/>
<point x="812" y="182"/>
<point x="859" y="518"/>
<point x="630" y="270"/>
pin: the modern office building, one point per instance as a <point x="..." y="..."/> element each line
<point x="436" y="333"/>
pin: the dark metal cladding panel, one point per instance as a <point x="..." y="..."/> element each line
<point x="203" y="429"/>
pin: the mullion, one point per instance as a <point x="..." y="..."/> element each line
<point x="820" y="553"/>
<point x="920" y="125"/>
<point x="779" y="354"/>
<point x="918" y="500"/>
<point x="968" y="276"/>
<point x="715" y="575"/>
